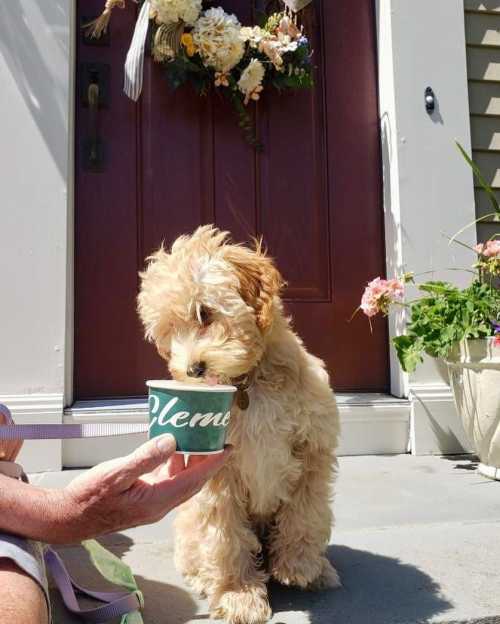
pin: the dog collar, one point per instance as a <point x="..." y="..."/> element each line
<point x="242" y="384"/>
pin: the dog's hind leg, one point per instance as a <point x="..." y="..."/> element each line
<point x="301" y="529"/>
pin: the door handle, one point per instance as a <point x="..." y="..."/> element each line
<point x="94" y="96"/>
<point x="93" y="142"/>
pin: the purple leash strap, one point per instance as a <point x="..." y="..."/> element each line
<point x="65" y="432"/>
<point x="117" y="603"/>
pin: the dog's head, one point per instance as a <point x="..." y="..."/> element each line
<point x="208" y="305"/>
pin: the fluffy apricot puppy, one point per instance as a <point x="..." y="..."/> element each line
<point x="214" y="312"/>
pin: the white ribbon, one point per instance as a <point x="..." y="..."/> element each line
<point x="297" y="5"/>
<point x="134" y="63"/>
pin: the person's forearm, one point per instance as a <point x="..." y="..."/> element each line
<point x="31" y="512"/>
<point x="118" y="494"/>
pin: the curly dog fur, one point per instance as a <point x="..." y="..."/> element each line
<point x="267" y="513"/>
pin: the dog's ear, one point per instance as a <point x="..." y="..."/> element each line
<point x="260" y="281"/>
<point x="149" y="299"/>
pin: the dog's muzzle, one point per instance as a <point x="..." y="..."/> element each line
<point x="197" y="370"/>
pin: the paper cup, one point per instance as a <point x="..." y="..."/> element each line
<point x="197" y="416"/>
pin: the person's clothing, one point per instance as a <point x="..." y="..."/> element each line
<point x="27" y="554"/>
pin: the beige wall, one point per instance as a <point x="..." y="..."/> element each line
<point x="428" y="191"/>
<point x="34" y="181"/>
<point x="34" y="105"/>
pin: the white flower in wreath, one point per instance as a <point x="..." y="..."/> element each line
<point x="250" y="82"/>
<point x="286" y="44"/>
<point x="274" y="47"/>
<point x="253" y="34"/>
<point x="173" y="11"/>
<point x="217" y="37"/>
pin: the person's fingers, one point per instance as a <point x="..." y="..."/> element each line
<point x="186" y="483"/>
<point x="9" y="449"/>
<point x="194" y="460"/>
<point x="14" y="450"/>
<point x="123" y="472"/>
<point x="175" y="465"/>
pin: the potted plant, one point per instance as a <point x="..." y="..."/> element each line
<point x="461" y="326"/>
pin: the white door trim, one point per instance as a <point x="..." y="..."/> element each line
<point x="70" y="247"/>
<point x="428" y="188"/>
<point x="371" y="424"/>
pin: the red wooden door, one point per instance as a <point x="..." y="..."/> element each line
<point x="174" y="161"/>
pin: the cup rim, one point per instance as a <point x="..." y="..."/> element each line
<point x="168" y="384"/>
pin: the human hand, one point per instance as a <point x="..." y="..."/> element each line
<point x="9" y="449"/>
<point x="130" y="491"/>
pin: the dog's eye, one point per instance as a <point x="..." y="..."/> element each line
<point x="204" y="316"/>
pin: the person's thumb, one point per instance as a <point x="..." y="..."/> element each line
<point x="144" y="459"/>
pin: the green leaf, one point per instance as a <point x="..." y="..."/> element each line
<point x="110" y="566"/>
<point x="132" y="618"/>
<point x="409" y="352"/>
<point x="492" y="215"/>
<point x="438" y="287"/>
<point x="479" y="176"/>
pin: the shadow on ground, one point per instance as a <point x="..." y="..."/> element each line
<point x="463" y="462"/>
<point x="376" y="590"/>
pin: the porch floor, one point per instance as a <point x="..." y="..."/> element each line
<point x="417" y="539"/>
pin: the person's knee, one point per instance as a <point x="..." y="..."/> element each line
<point x="21" y="598"/>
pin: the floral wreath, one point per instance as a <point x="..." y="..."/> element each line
<point x="211" y="49"/>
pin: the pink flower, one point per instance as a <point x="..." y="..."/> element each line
<point x="490" y="249"/>
<point x="379" y="294"/>
<point x="496" y="340"/>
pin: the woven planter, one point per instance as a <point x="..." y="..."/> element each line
<point x="474" y="367"/>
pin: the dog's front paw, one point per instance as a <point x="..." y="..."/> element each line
<point x="197" y="584"/>
<point x="306" y="573"/>
<point x="244" y="606"/>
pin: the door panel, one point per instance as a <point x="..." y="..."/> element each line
<point x="106" y="229"/>
<point x="175" y="161"/>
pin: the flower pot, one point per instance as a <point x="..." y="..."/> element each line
<point x="474" y="367"/>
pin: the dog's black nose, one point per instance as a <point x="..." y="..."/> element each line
<point x="197" y="369"/>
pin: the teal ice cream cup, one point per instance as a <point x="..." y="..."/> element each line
<point x="198" y="416"/>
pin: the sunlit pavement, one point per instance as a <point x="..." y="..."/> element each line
<point x="417" y="539"/>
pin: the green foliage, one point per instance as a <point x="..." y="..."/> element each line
<point x="272" y="22"/>
<point x="445" y="316"/>
<point x="182" y="70"/>
<point x="245" y="120"/>
<point x="480" y="178"/>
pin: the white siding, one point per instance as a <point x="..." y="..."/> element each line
<point x="482" y="33"/>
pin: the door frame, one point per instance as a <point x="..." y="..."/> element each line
<point x="411" y="202"/>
